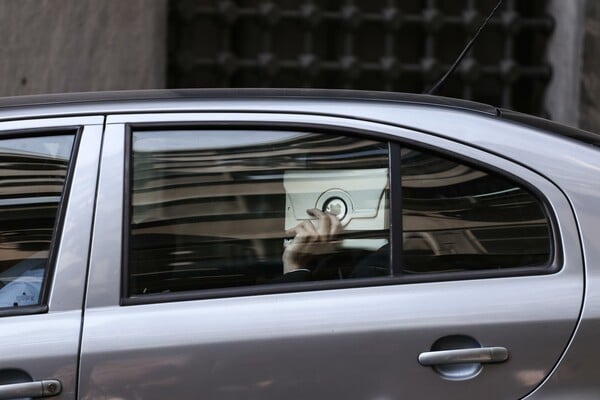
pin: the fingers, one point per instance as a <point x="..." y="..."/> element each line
<point x="329" y="225"/>
<point x="310" y="230"/>
<point x="299" y="234"/>
<point x="336" y="226"/>
<point x="306" y="232"/>
<point x="324" y="222"/>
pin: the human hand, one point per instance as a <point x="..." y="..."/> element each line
<point x="311" y="242"/>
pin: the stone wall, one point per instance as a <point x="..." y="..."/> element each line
<point x="53" y="46"/>
<point x="564" y="54"/>
<point x="589" y="115"/>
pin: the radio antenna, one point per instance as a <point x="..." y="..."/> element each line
<point x="439" y="83"/>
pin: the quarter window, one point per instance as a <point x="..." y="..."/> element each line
<point x="457" y="217"/>
<point x="32" y="180"/>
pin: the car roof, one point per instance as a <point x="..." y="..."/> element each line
<point x="114" y="101"/>
<point x="205" y="94"/>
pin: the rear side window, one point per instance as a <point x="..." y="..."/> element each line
<point x="221" y="209"/>
<point x="32" y="180"/>
<point x="458" y="217"/>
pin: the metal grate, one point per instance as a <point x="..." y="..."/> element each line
<point x="368" y="44"/>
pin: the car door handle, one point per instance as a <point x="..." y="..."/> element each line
<point x="462" y="356"/>
<point x="37" y="389"/>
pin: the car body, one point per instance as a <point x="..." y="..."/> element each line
<point x="165" y="217"/>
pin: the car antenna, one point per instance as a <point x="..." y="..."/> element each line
<point x="443" y="79"/>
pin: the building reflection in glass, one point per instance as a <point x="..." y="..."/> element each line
<point x="457" y="217"/>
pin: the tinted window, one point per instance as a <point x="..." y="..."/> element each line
<point x="32" y="179"/>
<point x="218" y="209"/>
<point x="457" y="218"/>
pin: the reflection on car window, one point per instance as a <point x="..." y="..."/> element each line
<point x="218" y="209"/>
<point x="460" y="218"/>
<point x="32" y="178"/>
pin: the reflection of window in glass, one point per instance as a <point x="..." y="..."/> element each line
<point x="210" y="209"/>
<point x="457" y="217"/>
<point x="32" y="178"/>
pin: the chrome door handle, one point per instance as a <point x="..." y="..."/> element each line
<point x="45" y="388"/>
<point x="463" y="356"/>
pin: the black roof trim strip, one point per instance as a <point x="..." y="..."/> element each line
<point x="551" y="127"/>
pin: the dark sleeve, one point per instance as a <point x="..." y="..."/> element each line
<point x="375" y="264"/>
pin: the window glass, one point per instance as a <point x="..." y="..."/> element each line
<point x="459" y="218"/>
<point x="218" y="209"/>
<point x="32" y="178"/>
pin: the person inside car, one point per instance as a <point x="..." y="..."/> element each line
<point x="314" y="254"/>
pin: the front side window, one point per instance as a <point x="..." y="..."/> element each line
<point x="32" y="179"/>
<point x="221" y="209"/>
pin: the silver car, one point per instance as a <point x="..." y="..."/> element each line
<point x="295" y="244"/>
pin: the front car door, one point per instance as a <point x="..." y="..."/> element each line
<point x="48" y="170"/>
<point x="193" y="292"/>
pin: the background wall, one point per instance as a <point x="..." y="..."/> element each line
<point x="564" y="55"/>
<point x="80" y="45"/>
<point x="536" y="56"/>
<point x="399" y="45"/>
<point x="589" y="117"/>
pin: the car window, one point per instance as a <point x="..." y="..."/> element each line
<point x="32" y="179"/>
<point x="458" y="217"/>
<point x="211" y="209"/>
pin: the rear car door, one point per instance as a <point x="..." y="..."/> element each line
<point x="48" y="170"/>
<point x="453" y="273"/>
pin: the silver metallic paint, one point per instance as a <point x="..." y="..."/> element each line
<point x="104" y="283"/>
<point x="44" y="345"/>
<point x="71" y="267"/>
<point x="45" y="123"/>
<point x="345" y="343"/>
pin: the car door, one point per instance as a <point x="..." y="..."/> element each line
<point x="452" y="273"/>
<point x="48" y="170"/>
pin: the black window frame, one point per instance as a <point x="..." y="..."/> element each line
<point x="395" y="145"/>
<point x="57" y="229"/>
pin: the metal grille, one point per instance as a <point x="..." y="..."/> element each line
<point x="388" y="45"/>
